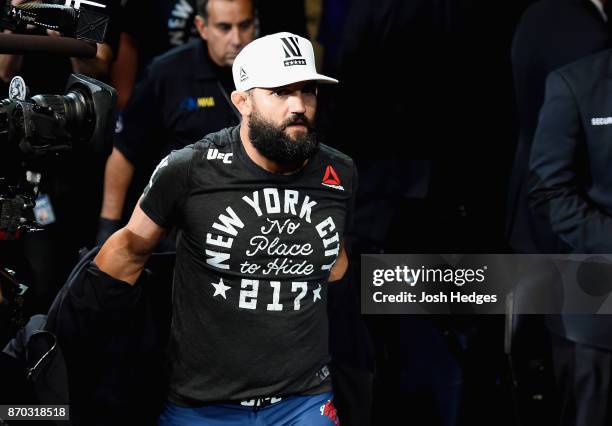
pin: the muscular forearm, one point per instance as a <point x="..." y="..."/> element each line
<point x="123" y="256"/>
<point x="125" y="253"/>
<point x="117" y="178"/>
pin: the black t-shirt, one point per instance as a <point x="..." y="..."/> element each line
<point x="253" y="257"/>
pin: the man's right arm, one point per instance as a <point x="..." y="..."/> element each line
<point x="125" y="69"/>
<point x="125" y="253"/>
<point x="117" y="177"/>
<point x="139" y="120"/>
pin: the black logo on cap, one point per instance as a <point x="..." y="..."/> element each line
<point x="243" y="74"/>
<point x="293" y="54"/>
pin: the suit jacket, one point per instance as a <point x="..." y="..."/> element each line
<point x="571" y="172"/>
<point x="551" y="33"/>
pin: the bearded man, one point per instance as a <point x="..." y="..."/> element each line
<point x="261" y="209"/>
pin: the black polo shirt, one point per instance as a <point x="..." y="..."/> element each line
<point x="179" y="101"/>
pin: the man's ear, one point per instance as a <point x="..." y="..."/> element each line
<point x="242" y="102"/>
<point x="201" y="26"/>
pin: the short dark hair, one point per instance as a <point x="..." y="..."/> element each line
<point x="202" y="8"/>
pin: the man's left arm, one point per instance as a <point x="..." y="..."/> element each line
<point x="341" y="265"/>
<point x="342" y="262"/>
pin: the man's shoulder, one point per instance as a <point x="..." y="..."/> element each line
<point x="542" y="11"/>
<point x="181" y="157"/>
<point x="176" y="59"/>
<point x="220" y="140"/>
<point x="549" y="24"/>
<point x="336" y="169"/>
<point x="332" y="154"/>
<point x="535" y="13"/>
<point x="588" y="71"/>
<point x="197" y="153"/>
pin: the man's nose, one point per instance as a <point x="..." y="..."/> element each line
<point x="296" y="103"/>
<point x="235" y="38"/>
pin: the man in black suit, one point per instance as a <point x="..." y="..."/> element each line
<point x="570" y="186"/>
<point x="551" y="33"/>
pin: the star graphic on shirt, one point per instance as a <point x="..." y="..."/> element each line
<point x="220" y="288"/>
<point x="317" y="294"/>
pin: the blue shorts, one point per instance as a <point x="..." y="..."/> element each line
<point x="307" y="410"/>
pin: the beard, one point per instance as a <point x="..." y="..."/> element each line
<point x="272" y="142"/>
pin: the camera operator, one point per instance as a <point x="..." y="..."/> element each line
<point x="69" y="184"/>
<point x="57" y="69"/>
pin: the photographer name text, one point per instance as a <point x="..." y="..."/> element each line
<point x="431" y="276"/>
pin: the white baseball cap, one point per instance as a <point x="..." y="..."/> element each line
<point x="276" y="60"/>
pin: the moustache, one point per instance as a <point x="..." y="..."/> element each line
<point x="297" y="120"/>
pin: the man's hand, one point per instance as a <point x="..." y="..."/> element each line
<point x="98" y="67"/>
<point x="106" y="228"/>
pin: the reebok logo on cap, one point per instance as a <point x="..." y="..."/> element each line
<point x="276" y="60"/>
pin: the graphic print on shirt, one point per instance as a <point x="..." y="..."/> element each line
<point x="180" y="23"/>
<point x="285" y="248"/>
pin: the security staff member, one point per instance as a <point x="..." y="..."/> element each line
<point x="551" y="33"/>
<point x="69" y="190"/>
<point x="571" y="188"/>
<point x="183" y="97"/>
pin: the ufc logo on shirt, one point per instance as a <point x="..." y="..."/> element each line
<point x="214" y="154"/>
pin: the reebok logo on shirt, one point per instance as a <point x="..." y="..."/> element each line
<point x="331" y="179"/>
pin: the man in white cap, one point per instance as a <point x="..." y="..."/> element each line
<point x="261" y="209"/>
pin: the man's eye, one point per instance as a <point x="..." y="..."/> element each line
<point x="280" y="92"/>
<point x="224" y="27"/>
<point x="310" y="89"/>
<point x="246" y="25"/>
